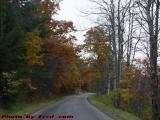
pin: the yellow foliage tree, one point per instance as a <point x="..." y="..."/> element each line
<point x="33" y="48"/>
<point x="32" y="54"/>
<point x="130" y="84"/>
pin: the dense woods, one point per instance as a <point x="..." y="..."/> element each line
<point x="39" y="57"/>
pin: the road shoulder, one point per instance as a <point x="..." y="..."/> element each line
<point x="110" y="114"/>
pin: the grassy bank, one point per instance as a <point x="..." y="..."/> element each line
<point x="105" y="103"/>
<point x="25" y="108"/>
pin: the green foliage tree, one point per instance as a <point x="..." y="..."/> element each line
<point x="11" y="53"/>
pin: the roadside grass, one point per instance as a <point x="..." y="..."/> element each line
<point x="22" y="108"/>
<point x="105" y="103"/>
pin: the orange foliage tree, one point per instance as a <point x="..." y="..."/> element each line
<point x="67" y="79"/>
<point x="88" y="76"/>
<point x="98" y="47"/>
<point x="135" y="90"/>
<point x="53" y="47"/>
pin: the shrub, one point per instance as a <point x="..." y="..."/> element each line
<point x="9" y="89"/>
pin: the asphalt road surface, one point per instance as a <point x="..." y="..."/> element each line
<point x="74" y="107"/>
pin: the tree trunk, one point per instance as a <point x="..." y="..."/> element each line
<point x="153" y="30"/>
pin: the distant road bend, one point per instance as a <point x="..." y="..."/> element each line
<point x="76" y="106"/>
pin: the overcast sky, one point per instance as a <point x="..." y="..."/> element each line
<point x="71" y="10"/>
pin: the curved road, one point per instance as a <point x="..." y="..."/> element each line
<point x="76" y="106"/>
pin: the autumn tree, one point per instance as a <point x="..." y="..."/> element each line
<point x="89" y="78"/>
<point x="54" y="45"/>
<point x="134" y="89"/>
<point x="97" y="45"/>
<point x="36" y="49"/>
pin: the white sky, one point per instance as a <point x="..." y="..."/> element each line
<point x="71" y="10"/>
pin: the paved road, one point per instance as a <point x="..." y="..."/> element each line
<point x="76" y="106"/>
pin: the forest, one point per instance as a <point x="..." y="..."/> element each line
<point x="119" y="57"/>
